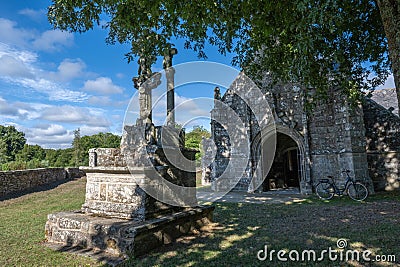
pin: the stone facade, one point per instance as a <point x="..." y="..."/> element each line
<point x="336" y="135"/>
<point x="22" y="180"/>
<point x="383" y="145"/>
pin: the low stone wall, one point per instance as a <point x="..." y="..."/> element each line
<point x="22" y="180"/>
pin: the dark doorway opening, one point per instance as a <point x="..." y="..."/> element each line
<point x="285" y="170"/>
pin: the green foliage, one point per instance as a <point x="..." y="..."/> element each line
<point x="76" y="144"/>
<point x="193" y="139"/>
<point x="106" y="140"/>
<point x="319" y="44"/>
<point x="30" y="152"/>
<point x="78" y="154"/>
<point x="16" y="155"/>
<point x="11" y="142"/>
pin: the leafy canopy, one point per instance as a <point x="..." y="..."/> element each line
<point x="11" y="142"/>
<point x="316" y="43"/>
<point x="194" y="137"/>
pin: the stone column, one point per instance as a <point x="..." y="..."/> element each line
<point x="170" y="72"/>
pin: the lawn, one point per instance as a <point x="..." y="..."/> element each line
<point x="240" y="232"/>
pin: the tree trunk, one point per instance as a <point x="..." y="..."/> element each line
<point x="390" y="14"/>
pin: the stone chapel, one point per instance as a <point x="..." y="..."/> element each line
<point x="336" y="135"/>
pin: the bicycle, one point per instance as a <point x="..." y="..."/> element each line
<point x="327" y="188"/>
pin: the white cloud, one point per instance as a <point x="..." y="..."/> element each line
<point x="106" y="101"/>
<point x="49" y="136"/>
<point x="54" y="124"/>
<point x="49" y="41"/>
<point x="20" y="110"/>
<point x="53" y="90"/>
<point x="53" y="40"/>
<point x="90" y="130"/>
<point x="9" y="33"/>
<point x="75" y="115"/>
<point x="99" y="100"/>
<point x="120" y="75"/>
<point x="102" y="85"/>
<point x="69" y="69"/>
<point x="35" y="15"/>
<point x="7" y="109"/>
<point x="186" y="109"/>
<point x="389" y="83"/>
<point x="24" y="56"/>
<point x="46" y="130"/>
<point x="21" y="70"/>
<point x="14" y="67"/>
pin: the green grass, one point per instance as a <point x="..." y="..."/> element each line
<point x="22" y="227"/>
<point x="240" y="231"/>
<point x="244" y="229"/>
<point x="198" y="178"/>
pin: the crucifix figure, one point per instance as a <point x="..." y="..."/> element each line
<point x="144" y="83"/>
<point x="170" y="72"/>
<point x="144" y="88"/>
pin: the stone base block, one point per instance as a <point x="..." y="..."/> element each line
<point x="120" y="237"/>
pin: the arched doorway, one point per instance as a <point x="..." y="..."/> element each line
<point x="286" y="168"/>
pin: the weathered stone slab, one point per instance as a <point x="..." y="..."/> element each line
<point x="121" y="237"/>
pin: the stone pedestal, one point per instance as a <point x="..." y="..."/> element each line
<point x="114" y="192"/>
<point x="119" y="237"/>
<point x="120" y="216"/>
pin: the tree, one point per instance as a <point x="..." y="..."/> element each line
<point x="64" y="158"/>
<point x="11" y="142"/>
<point x="76" y="145"/>
<point x="3" y="151"/>
<point x="105" y="140"/>
<point x="319" y="44"/>
<point x="390" y="14"/>
<point x="31" y="152"/>
<point x="193" y="139"/>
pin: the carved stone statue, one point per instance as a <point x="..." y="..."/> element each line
<point x="167" y="61"/>
<point x="217" y="93"/>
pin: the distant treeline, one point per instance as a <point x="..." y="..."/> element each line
<point x="15" y="154"/>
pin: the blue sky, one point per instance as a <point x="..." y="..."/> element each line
<point x="53" y="82"/>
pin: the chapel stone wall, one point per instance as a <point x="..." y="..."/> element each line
<point x="382" y="129"/>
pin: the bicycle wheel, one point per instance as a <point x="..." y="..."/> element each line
<point x="324" y="191"/>
<point x="357" y="191"/>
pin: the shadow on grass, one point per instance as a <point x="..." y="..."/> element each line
<point x="100" y="256"/>
<point x="245" y="229"/>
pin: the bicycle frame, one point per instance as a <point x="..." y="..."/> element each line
<point x="327" y="188"/>
<point x="339" y="191"/>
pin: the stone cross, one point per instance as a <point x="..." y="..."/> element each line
<point x="144" y="86"/>
<point x="144" y="83"/>
<point x="170" y="72"/>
